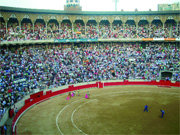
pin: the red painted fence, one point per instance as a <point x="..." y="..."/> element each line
<point x="39" y="97"/>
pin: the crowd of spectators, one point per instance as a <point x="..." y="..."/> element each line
<point x="65" y="31"/>
<point x="105" y="30"/>
<point x="117" y="30"/>
<point x="130" y="31"/>
<point x="26" y="68"/>
<point x="26" y="28"/>
<point x="156" y="31"/>
<point x="2" y="29"/>
<point x="143" y="31"/>
<point x="92" y="31"/>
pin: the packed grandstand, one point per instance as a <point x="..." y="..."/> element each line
<point x="17" y="25"/>
<point x="97" y="56"/>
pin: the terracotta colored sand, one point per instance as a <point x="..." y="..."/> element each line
<point x="111" y="110"/>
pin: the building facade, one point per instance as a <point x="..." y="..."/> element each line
<point x="169" y="7"/>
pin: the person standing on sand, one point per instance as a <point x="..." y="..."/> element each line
<point x="146" y="108"/>
<point x="162" y="113"/>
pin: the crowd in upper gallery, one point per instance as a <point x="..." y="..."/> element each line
<point x="26" y="31"/>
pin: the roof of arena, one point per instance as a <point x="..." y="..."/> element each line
<point x="45" y="11"/>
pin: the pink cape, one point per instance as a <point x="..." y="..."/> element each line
<point x="86" y="96"/>
<point x="67" y="98"/>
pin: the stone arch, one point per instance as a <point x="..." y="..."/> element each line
<point x="143" y="22"/>
<point x="117" y="28"/>
<point x="1" y="16"/>
<point x="78" y="18"/>
<point x="40" y="17"/>
<point x="170" y="18"/>
<point x="2" y="20"/>
<point x="104" y="18"/>
<point x="172" y="21"/>
<point x="13" y="24"/>
<point x="92" y="18"/>
<point x="92" y="29"/>
<point x="66" y="28"/>
<point x="171" y="28"/>
<point x="157" y="22"/>
<point x="117" y="22"/>
<point x="89" y="22"/>
<point x="156" y="18"/>
<point x="104" y="28"/>
<point x="104" y="22"/>
<point x="130" y="28"/>
<point x="39" y="25"/>
<point x="130" y="22"/>
<point x="53" y="25"/>
<point x="79" y="26"/>
<point x="53" y="18"/>
<point x="143" y="29"/>
<point x="66" y="23"/>
<point x="12" y="16"/>
<point x="42" y="21"/>
<point x="26" y="24"/>
<point x="156" y="29"/>
<point x="2" y="26"/>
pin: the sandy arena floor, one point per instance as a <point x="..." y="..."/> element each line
<point x="111" y="110"/>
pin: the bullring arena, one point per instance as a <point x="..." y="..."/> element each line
<point x="110" y="110"/>
<point x="89" y="72"/>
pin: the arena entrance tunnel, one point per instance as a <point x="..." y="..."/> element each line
<point x="166" y="75"/>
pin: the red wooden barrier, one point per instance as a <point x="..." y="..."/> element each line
<point x="100" y="85"/>
<point x="11" y="113"/>
<point x="36" y="95"/>
<point x="48" y="92"/>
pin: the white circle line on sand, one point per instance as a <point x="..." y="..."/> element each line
<point x="57" y="117"/>
<point x="72" y="120"/>
<point x="122" y="93"/>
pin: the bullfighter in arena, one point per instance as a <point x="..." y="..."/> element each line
<point x="162" y="113"/>
<point x="145" y="108"/>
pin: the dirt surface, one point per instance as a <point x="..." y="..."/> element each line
<point x="111" y="110"/>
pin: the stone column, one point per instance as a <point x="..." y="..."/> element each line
<point x="150" y="23"/>
<point x="110" y="25"/>
<point x="150" y="20"/>
<point x="72" y="29"/>
<point x="123" y="24"/>
<point x="163" y="25"/>
<point x="19" y="24"/>
<point x="33" y="26"/>
<point x="59" y="26"/>
<point x="85" y="26"/>
<point x="163" y="22"/>
<point x="177" y="26"/>
<point x="136" y="23"/>
<point x="98" y="27"/>
<point x="46" y="26"/>
<point x="33" y="23"/>
<point x="6" y="26"/>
